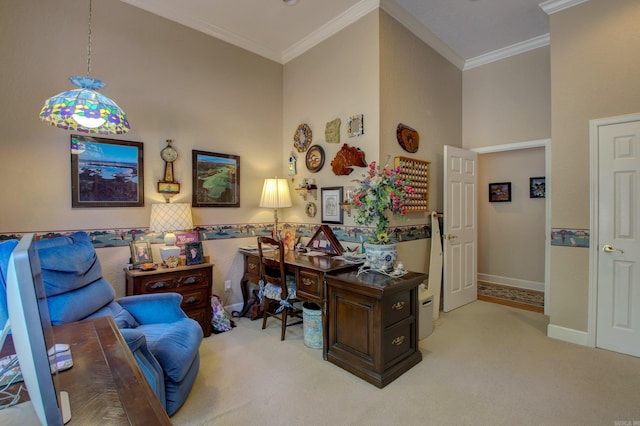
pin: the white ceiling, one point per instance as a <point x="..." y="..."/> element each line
<point x="463" y="31"/>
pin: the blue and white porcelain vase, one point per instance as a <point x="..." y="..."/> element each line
<point x="381" y="257"/>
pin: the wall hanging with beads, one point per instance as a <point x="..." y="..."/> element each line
<point x="417" y="172"/>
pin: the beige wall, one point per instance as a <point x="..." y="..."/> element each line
<point x="511" y="235"/>
<point x="507" y="101"/>
<point x="171" y="81"/>
<point x="595" y="69"/>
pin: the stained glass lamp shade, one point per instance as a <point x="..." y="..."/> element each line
<point x="85" y="110"/>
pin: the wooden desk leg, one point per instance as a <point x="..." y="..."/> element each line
<point x="325" y="322"/>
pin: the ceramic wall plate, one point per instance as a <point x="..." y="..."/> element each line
<point x="408" y="138"/>
<point x="302" y="138"/>
<point x="315" y="158"/>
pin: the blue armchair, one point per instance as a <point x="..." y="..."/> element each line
<point x="163" y="340"/>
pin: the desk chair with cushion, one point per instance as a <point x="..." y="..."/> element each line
<point x="163" y="340"/>
<point x="277" y="288"/>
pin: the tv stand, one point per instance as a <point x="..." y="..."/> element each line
<point x="105" y="383"/>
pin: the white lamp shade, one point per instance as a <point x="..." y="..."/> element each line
<point x="275" y="194"/>
<point x="170" y="217"/>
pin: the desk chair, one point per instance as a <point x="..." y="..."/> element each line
<point x="277" y="289"/>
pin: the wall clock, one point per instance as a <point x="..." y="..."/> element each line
<point x="168" y="185"/>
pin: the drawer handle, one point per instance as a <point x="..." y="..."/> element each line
<point x="398" y="341"/>
<point x="191" y="280"/>
<point x="307" y="281"/>
<point x="191" y="300"/>
<point x="160" y="284"/>
<point x="398" y="306"/>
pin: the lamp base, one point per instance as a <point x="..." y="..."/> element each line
<point x="169" y="251"/>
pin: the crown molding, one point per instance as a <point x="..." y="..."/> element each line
<point x="514" y="49"/>
<point x="175" y="15"/>
<point x="552" y="6"/>
<point x="421" y="31"/>
<point x="340" y="22"/>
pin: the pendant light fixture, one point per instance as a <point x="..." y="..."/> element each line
<point x="84" y="109"/>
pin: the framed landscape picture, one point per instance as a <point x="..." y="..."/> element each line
<point x="106" y="172"/>
<point x="499" y="192"/>
<point x="216" y="180"/>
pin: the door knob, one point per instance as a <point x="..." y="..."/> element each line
<point x="451" y="237"/>
<point x="608" y="249"/>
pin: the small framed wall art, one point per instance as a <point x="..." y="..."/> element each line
<point x="499" y="192"/>
<point x="537" y="187"/>
<point x="355" y="125"/>
<point x="331" y="210"/>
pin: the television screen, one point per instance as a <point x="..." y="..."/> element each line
<point x="32" y="333"/>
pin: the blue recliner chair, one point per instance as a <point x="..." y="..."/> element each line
<point x="163" y="340"/>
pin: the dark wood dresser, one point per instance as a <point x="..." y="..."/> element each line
<point x="192" y="282"/>
<point x="373" y="324"/>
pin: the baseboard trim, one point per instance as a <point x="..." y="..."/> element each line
<point x="512" y="282"/>
<point x="568" y="335"/>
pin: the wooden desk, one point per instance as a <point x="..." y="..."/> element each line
<point x="105" y="384"/>
<point x="373" y="324"/>
<point x="310" y="274"/>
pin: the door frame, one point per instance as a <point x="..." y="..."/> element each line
<point x="594" y="243"/>
<point x="546" y="144"/>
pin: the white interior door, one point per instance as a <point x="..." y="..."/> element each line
<point x="618" y="235"/>
<point x="460" y="282"/>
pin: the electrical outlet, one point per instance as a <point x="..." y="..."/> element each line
<point x="227" y="285"/>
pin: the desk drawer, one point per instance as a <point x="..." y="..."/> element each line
<point x="309" y="283"/>
<point x="396" y="308"/>
<point x="397" y="342"/>
<point x="252" y="267"/>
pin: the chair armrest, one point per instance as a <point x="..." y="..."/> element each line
<point x="146" y="361"/>
<point x="154" y="308"/>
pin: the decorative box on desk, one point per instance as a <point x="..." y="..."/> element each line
<point x="373" y="324"/>
<point x="192" y="282"/>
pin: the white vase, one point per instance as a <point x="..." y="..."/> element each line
<point x="381" y="257"/>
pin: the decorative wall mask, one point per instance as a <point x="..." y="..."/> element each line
<point x="346" y="157"/>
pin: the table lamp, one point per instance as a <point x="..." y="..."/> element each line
<point x="275" y="194"/>
<point x="167" y="218"/>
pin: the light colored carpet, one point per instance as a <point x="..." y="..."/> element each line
<point x="484" y="364"/>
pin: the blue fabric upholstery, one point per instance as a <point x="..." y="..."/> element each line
<point x="6" y="248"/>
<point x="163" y="340"/>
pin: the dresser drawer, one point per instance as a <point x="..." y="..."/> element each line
<point x="309" y="283"/>
<point x="173" y="281"/>
<point x="194" y="298"/>
<point x="397" y="342"/>
<point x="396" y="308"/>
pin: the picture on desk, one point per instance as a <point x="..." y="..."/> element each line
<point x="194" y="254"/>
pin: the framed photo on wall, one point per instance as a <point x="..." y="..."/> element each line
<point x="499" y="192"/>
<point x="537" y="187"/>
<point x="216" y="179"/>
<point x="106" y="173"/>
<point x="331" y="210"/>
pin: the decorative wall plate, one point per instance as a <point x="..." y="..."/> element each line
<point x="355" y="125"/>
<point x="315" y="158"/>
<point x="311" y="209"/>
<point x="302" y="138"/>
<point x="332" y="131"/>
<point x="408" y="138"/>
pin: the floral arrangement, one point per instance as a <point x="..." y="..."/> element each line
<point x="381" y="191"/>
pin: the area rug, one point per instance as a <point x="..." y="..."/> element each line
<point x="530" y="300"/>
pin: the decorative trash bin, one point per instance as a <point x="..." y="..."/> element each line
<point x="312" y="325"/>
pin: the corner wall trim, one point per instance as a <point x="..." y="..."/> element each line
<point x="568" y="335"/>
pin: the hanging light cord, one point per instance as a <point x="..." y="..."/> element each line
<point x="89" y="43"/>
